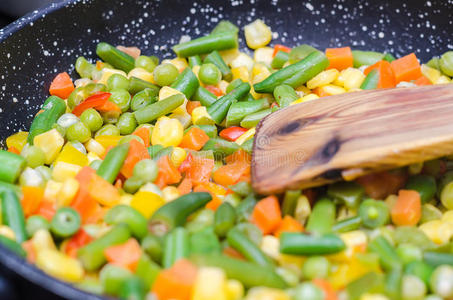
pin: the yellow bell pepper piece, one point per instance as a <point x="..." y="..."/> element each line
<point x="52" y="189"/>
<point x="63" y="170"/>
<point x="235" y="289"/>
<point x="59" y="265"/>
<point x="257" y="34"/>
<point x="108" y="140"/>
<point x="167" y="132"/>
<point x="229" y="55"/>
<point x="430" y="73"/>
<point x="50" y="142"/>
<point x="240" y="72"/>
<point x="146" y="202"/>
<point x="42" y="240"/>
<point x="71" y="155"/>
<point x="67" y="192"/>
<point x="141" y="74"/>
<point x="17" y="140"/>
<point x="264" y="55"/>
<point x="246" y="136"/>
<point x="265" y="293"/>
<point x="347" y="272"/>
<point x="210" y="283"/>
<point x="439" y="231"/>
<point x="170" y="193"/>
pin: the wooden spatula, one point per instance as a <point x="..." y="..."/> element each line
<point x="348" y="135"/>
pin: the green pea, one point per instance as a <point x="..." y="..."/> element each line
<point x="35" y="223"/>
<point x="117" y="81"/>
<point x="93" y="88"/>
<point x="61" y="130"/>
<point x="446" y="63"/>
<point x="110" y="117"/>
<point x="83" y="67"/>
<point x="65" y="223"/>
<point x="92" y="119"/>
<point x="165" y="74"/>
<point x="142" y="99"/>
<point x="146" y="170"/>
<point x="78" y="132"/>
<point x="67" y="120"/>
<point x="95" y="164"/>
<point x="307" y="291"/>
<point x="108" y="129"/>
<point x="316" y="267"/>
<point x="126" y="123"/>
<point x="132" y="184"/>
<point x="210" y="74"/>
<point x="145" y="62"/>
<point x="409" y="253"/>
<point x="77" y="96"/>
<point x="34" y="156"/>
<point x="128" y="138"/>
<point x="122" y="98"/>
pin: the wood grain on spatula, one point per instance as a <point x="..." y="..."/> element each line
<point x="348" y="135"/>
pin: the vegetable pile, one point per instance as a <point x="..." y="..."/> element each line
<point x="134" y="180"/>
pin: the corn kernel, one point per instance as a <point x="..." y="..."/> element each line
<point x="108" y="140"/>
<point x="210" y="283"/>
<point x="17" y="140"/>
<point x="352" y="240"/>
<point x="448" y="216"/>
<point x="305" y="98"/>
<point x="443" y="79"/>
<point x="196" y="70"/>
<point x="67" y="192"/>
<point x="229" y="55"/>
<point x="146" y="202"/>
<point x="246" y="136"/>
<point x="243" y="60"/>
<point x="240" y="73"/>
<point x="70" y="154"/>
<point x="222" y="85"/>
<point x="178" y="155"/>
<point x="170" y="193"/>
<point x="107" y="72"/>
<point x="259" y="72"/>
<point x="126" y="199"/>
<point x="350" y="78"/>
<point x="152" y="188"/>
<point x="52" y="189"/>
<point x="59" y="265"/>
<point x="63" y="170"/>
<point x="303" y="209"/>
<point x="331" y="89"/>
<point x="180" y="63"/>
<point x="200" y="116"/>
<point x="7" y="232"/>
<point x="430" y="73"/>
<point x="50" y="142"/>
<point x="167" y="132"/>
<point x="235" y="289"/>
<point x="264" y="55"/>
<point x="323" y="78"/>
<point x="257" y="34"/>
<point x="92" y="157"/>
<point x="303" y="89"/>
<point x="81" y="82"/>
<point x="438" y="231"/>
<point x="42" y="240"/>
<point x="270" y="245"/>
<point x="142" y="74"/>
<point x="265" y="293"/>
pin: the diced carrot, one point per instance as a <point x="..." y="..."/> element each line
<point x="103" y="191"/>
<point x="168" y="173"/>
<point x="279" y="47"/>
<point x="108" y="106"/>
<point x="176" y="282"/>
<point x="81" y="238"/>
<point x="406" y="68"/>
<point x="288" y="224"/>
<point x="239" y="155"/>
<point x="200" y="170"/>
<point x="215" y="90"/>
<point x="386" y="76"/>
<point x="321" y="92"/>
<point x="97" y="214"/>
<point x="30" y="251"/>
<point x="194" y="139"/>
<point x="230" y="173"/>
<point x="267" y="214"/>
<point x="31" y="199"/>
<point x="326" y="287"/>
<point x="185" y="186"/>
<point x="46" y="209"/>
<point x="125" y="255"/>
<point x="61" y="86"/>
<point x="191" y="105"/>
<point x="137" y="152"/>
<point x="216" y="192"/>
<point x="143" y="133"/>
<point x="407" y="210"/>
<point x="83" y="203"/>
<point x="339" y="58"/>
<point x="380" y="185"/>
<point x="231" y="252"/>
<point x="13" y="149"/>
<point x="422" y="80"/>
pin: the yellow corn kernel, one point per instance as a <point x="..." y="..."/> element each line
<point x="170" y="193"/>
<point x="70" y="154"/>
<point x="350" y="78"/>
<point x="241" y="73"/>
<point x="180" y="63"/>
<point x="259" y="72"/>
<point x="235" y="289"/>
<point x="166" y="92"/>
<point x="229" y="55"/>
<point x="141" y="74"/>
<point x="108" y="140"/>
<point x="63" y="170"/>
<point x="246" y="136"/>
<point x="42" y="240"/>
<point x="146" y="202"/>
<point x="255" y="94"/>
<point x="265" y="293"/>
<point x="291" y="262"/>
<point x="59" y="265"/>
<point x="50" y="142"/>
<point x="152" y="188"/>
<point x="178" y="155"/>
<point x="352" y="240"/>
<point x="7" y="232"/>
<point x="210" y="283"/>
<point x="52" y="189"/>
<point x="430" y="73"/>
<point x="67" y="192"/>
<point x="264" y="55"/>
<point x="270" y="245"/>
<point x="347" y="272"/>
<point x="443" y="79"/>
<point x="222" y="85"/>
<point x="331" y="89"/>
<point x="107" y="72"/>
<point x="82" y="82"/>
<point x="438" y="231"/>
<point x="196" y="70"/>
<point x="369" y="296"/>
<point x="17" y="140"/>
<point x="200" y="116"/>
<point x="305" y="98"/>
<point x="167" y="132"/>
<point x="303" y="89"/>
<point x="323" y="78"/>
<point x="92" y="157"/>
<point x="303" y="209"/>
<point x="257" y="34"/>
<point x="126" y="199"/>
<point x="448" y="216"/>
<point x="243" y="60"/>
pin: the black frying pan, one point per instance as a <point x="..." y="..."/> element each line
<point x="46" y="42"/>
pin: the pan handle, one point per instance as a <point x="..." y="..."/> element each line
<point x="7" y="287"/>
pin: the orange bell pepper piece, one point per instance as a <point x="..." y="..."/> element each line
<point x="46" y="209"/>
<point x="83" y="203"/>
<point x="230" y="173"/>
<point x="422" y="80"/>
<point x="407" y="209"/>
<point x="31" y="199"/>
<point x="279" y="47"/>
<point x="191" y="105"/>
<point x="185" y="186"/>
<point x="78" y="240"/>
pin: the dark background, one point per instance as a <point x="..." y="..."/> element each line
<point x="5" y="19"/>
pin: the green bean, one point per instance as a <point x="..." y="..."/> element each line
<point x="154" y="149"/>
<point x="225" y="26"/>
<point x="251" y="231"/>
<point x="247" y="146"/>
<point x="65" y="223"/>
<point x="371" y="80"/>
<point x="194" y="61"/>
<point x="205" y="97"/>
<point x="367" y="58"/>
<point x="147" y="270"/>
<point x="132" y="288"/>
<point x="239" y="110"/>
<point x="284" y="95"/>
<point x="217" y="60"/>
<point x="425" y="185"/>
<point x="214" y="41"/>
<point x="128" y="215"/>
<point x="374" y="213"/>
<point x="111" y="277"/>
<point x="290" y="201"/>
<point x="371" y="282"/>
<point x="219" y="109"/>
<point x="409" y="253"/>
<point x="316" y="267"/>
<point x="294" y="75"/>
<point x="84" y="68"/>
<point x="115" y="57"/>
<point x="165" y="74"/>
<point x="176" y="246"/>
<point x="209" y="74"/>
<point x="304" y="244"/>
<point x="92" y="119"/>
<point x="175" y="213"/>
<point x="4" y="186"/>
<point x="137" y="85"/>
<point x="201" y="220"/>
<point x="233" y="84"/>
<point x="253" y="119"/>
<point x="245" y="208"/>
<point x="348" y="224"/>
<point x="204" y="241"/>
<point x="393" y="283"/>
<point x="388" y="57"/>
<point x="113" y="162"/>
<point x="224" y="219"/>
<point x="35" y="223"/>
<point x="158" y="109"/>
<point x="446" y="63"/>
<point x="349" y="193"/>
<point x="153" y="246"/>
<point x="279" y="60"/>
<point x="243" y="188"/>
<point x="300" y="52"/>
<point x="52" y="108"/>
<point x="250" y="274"/>
<point x="322" y="217"/>
<point x="247" y="248"/>
<point x="117" y="81"/>
<point x="186" y="82"/>
<point x="76" y="97"/>
<point x="11" y="165"/>
<point x="420" y="269"/>
<point x="221" y="147"/>
<point x="388" y="257"/>
<point x="435" y="259"/>
<point x="12" y="246"/>
<point x="145" y="62"/>
<point x="142" y="99"/>
<point x="108" y="129"/>
<point x="13" y="215"/>
<point x="163" y="152"/>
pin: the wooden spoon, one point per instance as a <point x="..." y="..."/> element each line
<point x="348" y="135"/>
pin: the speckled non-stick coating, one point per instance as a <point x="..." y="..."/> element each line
<point x="47" y="42"/>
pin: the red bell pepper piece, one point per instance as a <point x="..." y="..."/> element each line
<point x="232" y="133"/>
<point x="97" y="100"/>
<point x="279" y="47"/>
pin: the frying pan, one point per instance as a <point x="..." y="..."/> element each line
<point x="46" y="42"/>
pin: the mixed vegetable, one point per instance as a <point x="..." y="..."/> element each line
<point x="134" y="181"/>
